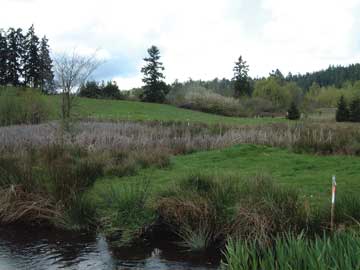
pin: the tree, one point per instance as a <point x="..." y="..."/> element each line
<point x="354" y="110"/>
<point x="31" y="61"/>
<point x="46" y="67"/>
<point x="3" y="58"/>
<point x="293" y="112"/>
<point x="241" y="79"/>
<point x="277" y="75"/>
<point x="90" y="89"/>
<point x="72" y="71"/>
<point x="270" y="89"/>
<point x="155" y="89"/>
<point x="342" y="112"/>
<point x="14" y="56"/>
<point x="111" y="91"/>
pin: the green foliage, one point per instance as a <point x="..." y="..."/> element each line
<point x="340" y="251"/>
<point x="92" y="89"/>
<point x="241" y="80"/>
<point x="22" y="106"/>
<point x="25" y="60"/>
<point x="333" y="76"/>
<point x="293" y="112"/>
<point x="125" y="212"/>
<point x="155" y="89"/>
<point x="354" y="110"/>
<point x="342" y="112"/>
<point x="272" y="90"/>
<point x="203" y="209"/>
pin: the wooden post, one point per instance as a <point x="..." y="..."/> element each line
<point x="333" y="193"/>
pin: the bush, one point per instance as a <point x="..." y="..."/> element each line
<point x="93" y="89"/>
<point x="22" y="106"/>
<point x="204" y="100"/>
<point x="342" y="112"/>
<point x="354" y="110"/>
<point x="293" y="112"/>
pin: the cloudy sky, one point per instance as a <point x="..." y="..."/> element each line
<point x="200" y="39"/>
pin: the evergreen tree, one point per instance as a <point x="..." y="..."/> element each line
<point x="3" y="58"/>
<point x="45" y="67"/>
<point x="354" y="110"/>
<point x="342" y="112"/>
<point x="14" y="57"/>
<point x="31" y="61"/>
<point x="155" y="89"/>
<point x="241" y="79"/>
<point x="293" y="112"/>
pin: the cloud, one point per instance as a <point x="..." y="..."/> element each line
<point x="198" y="39"/>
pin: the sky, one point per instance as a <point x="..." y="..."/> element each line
<point x="198" y="39"/>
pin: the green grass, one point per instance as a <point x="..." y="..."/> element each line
<point x="310" y="174"/>
<point x="141" y="111"/>
<point x="341" y="251"/>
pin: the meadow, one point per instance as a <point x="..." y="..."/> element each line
<point x="250" y="188"/>
<point x="142" y="111"/>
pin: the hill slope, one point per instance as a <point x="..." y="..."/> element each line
<point x="133" y="110"/>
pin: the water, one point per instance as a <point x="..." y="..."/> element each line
<point x="31" y="249"/>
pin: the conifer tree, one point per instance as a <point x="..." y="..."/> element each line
<point x="3" y="58"/>
<point x="354" y="110"/>
<point x="293" y="112"/>
<point x="342" y="112"/>
<point x="241" y="78"/>
<point x="155" y="89"/>
<point x="31" y="61"/>
<point x="45" y="67"/>
<point x="14" y="57"/>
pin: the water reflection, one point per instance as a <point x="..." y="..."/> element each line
<point x="28" y="248"/>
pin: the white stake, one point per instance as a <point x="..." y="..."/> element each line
<point x="333" y="194"/>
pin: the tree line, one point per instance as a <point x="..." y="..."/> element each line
<point x="25" y="59"/>
<point x="332" y="76"/>
<point x="348" y="113"/>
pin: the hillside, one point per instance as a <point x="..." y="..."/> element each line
<point x="141" y="111"/>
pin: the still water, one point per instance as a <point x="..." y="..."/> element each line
<point x="31" y="249"/>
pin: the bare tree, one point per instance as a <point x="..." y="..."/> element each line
<point x="71" y="71"/>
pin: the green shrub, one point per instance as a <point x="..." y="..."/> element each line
<point x="354" y="110"/>
<point x="293" y="112"/>
<point x="342" y="112"/>
<point x="22" y="106"/>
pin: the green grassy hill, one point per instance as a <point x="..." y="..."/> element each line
<point x="133" y="110"/>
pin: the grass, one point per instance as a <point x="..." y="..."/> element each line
<point x="340" y="251"/>
<point x="141" y="111"/>
<point x="190" y="204"/>
<point x="310" y="174"/>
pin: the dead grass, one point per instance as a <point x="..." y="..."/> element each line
<point x="18" y="205"/>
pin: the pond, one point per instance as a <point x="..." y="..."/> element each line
<point x="34" y="249"/>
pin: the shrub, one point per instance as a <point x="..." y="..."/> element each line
<point x="354" y="110"/>
<point x="293" y="112"/>
<point x="213" y="103"/>
<point x="22" y="106"/>
<point x="342" y="112"/>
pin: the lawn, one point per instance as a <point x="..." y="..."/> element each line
<point x="310" y="174"/>
<point x="133" y="110"/>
